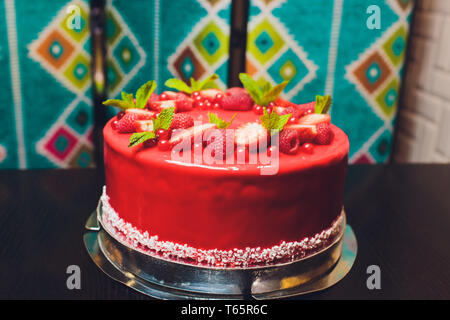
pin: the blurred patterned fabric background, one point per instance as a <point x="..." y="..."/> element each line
<point x="321" y="46"/>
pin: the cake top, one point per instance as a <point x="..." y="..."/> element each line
<point x="225" y="127"/>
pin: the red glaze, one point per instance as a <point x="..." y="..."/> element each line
<point x="225" y="206"/>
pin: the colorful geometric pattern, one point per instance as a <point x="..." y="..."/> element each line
<point x="205" y="49"/>
<point x="272" y="52"/>
<point x="319" y="46"/>
<point x="64" y="52"/>
<point x="376" y="75"/>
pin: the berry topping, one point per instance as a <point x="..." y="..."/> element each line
<point x="153" y="97"/>
<point x="250" y="135"/>
<point x="184" y="103"/>
<point x="306" y="108"/>
<point x="120" y="115"/>
<point x="168" y="95"/>
<point x="210" y="94"/>
<point x="306" y="133"/>
<point x="324" y="134"/>
<point x="150" y="143"/>
<point x="161" y="105"/>
<point x="126" y="124"/>
<point x="182" y="121"/>
<point x="314" y="119"/>
<point x="237" y="99"/>
<point x="258" y="109"/>
<point x="162" y="134"/>
<point x="163" y="145"/>
<point x="307" y="148"/>
<point x="141" y="114"/>
<point x="143" y="125"/>
<point x="289" y="141"/>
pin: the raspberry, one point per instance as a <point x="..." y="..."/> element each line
<point x="126" y="123"/>
<point x="181" y="121"/>
<point x="184" y="103"/>
<point x="324" y="133"/>
<point x="289" y="142"/>
<point x="237" y="99"/>
<point x="219" y="141"/>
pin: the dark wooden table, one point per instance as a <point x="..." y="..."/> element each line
<point x="400" y="214"/>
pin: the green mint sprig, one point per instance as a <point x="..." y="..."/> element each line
<point x="127" y="102"/>
<point x="262" y="91"/>
<point x="180" y="85"/>
<point x="273" y="122"/>
<point x="163" y="121"/>
<point x="221" y="124"/>
<point x="323" y="104"/>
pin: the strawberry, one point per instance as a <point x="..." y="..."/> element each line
<point x="184" y="103"/>
<point x="160" y="105"/>
<point x="191" y="133"/>
<point x="181" y="121"/>
<point x="250" y="134"/>
<point x="284" y="103"/>
<point x="153" y="97"/>
<point x="324" y="134"/>
<point x="289" y="142"/>
<point x="306" y="132"/>
<point x="237" y="99"/>
<point x="288" y="110"/>
<point x="221" y="142"/>
<point x="142" y="114"/>
<point x="126" y="123"/>
<point x="143" y="125"/>
<point x="306" y="108"/>
<point x="168" y="95"/>
<point x="315" y="118"/>
<point x="210" y="94"/>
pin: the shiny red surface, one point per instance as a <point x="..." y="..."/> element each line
<point x="225" y="206"/>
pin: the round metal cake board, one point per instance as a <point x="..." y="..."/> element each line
<point x="143" y="272"/>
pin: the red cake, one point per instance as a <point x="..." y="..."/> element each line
<point x="191" y="178"/>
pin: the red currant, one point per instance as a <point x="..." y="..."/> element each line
<point x="163" y="96"/>
<point x="114" y="124"/>
<point x="120" y="115"/>
<point x="195" y="94"/>
<point x="218" y="98"/>
<point x="162" y="134"/>
<point x="272" y="104"/>
<point x="200" y="104"/>
<point x="163" y="144"/>
<point x="257" y="109"/>
<point x="208" y="105"/>
<point x="307" y="147"/>
<point x="272" y="150"/>
<point x="216" y="106"/>
<point x="292" y="120"/>
<point x="149" y="143"/>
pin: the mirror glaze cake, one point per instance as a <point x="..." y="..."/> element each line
<point x="223" y="178"/>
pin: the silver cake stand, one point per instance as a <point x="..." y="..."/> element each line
<point x="164" y="279"/>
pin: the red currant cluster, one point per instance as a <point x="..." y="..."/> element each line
<point x="201" y="102"/>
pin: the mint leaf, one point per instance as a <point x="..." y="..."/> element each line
<point x="323" y="104"/>
<point x="252" y="87"/>
<point x="179" y="85"/>
<point x="273" y="93"/>
<point x="140" y="137"/>
<point x="264" y="85"/>
<point x="127" y="97"/>
<point x="118" y="103"/>
<point x="164" y="119"/>
<point x="144" y="93"/>
<point x="273" y="121"/>
<point x="207" y="83"/>
<point x="221" y="124"/>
